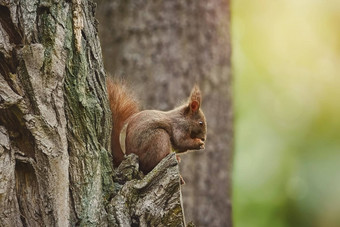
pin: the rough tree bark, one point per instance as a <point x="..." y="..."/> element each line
<point x="163" y="48"/>
<point x="55" y="167"/>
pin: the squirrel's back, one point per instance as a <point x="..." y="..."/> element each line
<point x="123" y="105"/>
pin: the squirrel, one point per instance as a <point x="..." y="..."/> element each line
<point x="153" y="134"/>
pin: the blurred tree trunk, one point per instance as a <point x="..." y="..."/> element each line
<point x="55" y="124"/>
<point x="165" y="47"/>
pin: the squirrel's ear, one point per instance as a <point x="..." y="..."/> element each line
<point x="194" y="106"/>
<point x="195" y="99"/>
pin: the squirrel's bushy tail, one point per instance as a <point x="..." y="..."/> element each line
<point x="123" y="105"/>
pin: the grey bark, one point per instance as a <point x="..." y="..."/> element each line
<point x="163" y="48"/>
<point x="55" y="165"/>
<point x="153" y="200"/>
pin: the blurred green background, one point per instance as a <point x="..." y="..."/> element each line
<point x="286" y="68"/>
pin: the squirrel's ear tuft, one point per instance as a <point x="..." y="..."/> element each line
<point x="195" y="99"/>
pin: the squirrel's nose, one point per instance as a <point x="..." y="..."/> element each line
<point x="203" y="139"/>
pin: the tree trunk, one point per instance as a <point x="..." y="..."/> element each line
<point x="165" y="47"/>
<point x="53" y="113"/>
<point x="55" y="164"/>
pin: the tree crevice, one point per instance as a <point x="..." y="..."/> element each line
<point x="6" y="21"/>
<point x="27" y="192"/>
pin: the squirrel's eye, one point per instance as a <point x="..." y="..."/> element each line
<point x="201" y="123"/>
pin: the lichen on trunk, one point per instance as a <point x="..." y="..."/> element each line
<point x="151" y="200"/>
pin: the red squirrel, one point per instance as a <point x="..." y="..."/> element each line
<point x="153" y="134"/>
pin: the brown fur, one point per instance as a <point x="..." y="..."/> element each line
<point x="153" y="134"/>
<point x="123" y="105"/>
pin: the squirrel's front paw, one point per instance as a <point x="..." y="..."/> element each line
<point x="200" y="143"/>
<point x="202" y="146"/>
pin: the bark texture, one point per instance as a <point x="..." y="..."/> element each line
<point x="55" y="124"/>
<point x="53" y="113"/>
<point x="164" y="48"/>
<point x="153" y="200"/>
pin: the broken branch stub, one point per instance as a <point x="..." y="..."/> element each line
<point x="152" y="200"/>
